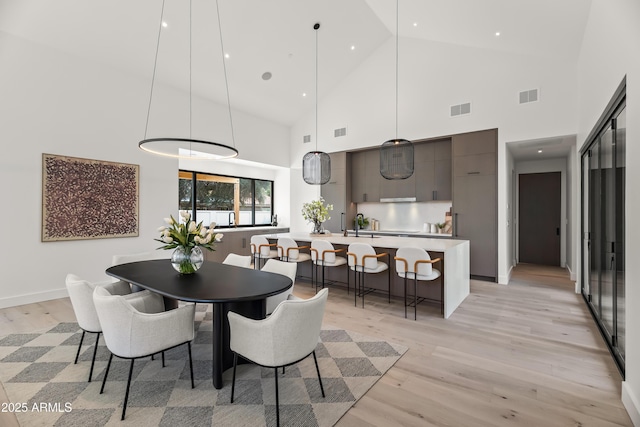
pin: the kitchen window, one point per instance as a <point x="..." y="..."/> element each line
<point x="225" y="200"/>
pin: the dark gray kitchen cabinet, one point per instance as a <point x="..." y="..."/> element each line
<point x="338" y="193"/>
<point x="475" y="213"/>
<point x="365" y="176"/>
<point x="433" y="170"/>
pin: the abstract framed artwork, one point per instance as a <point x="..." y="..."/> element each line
<point x="88" y="199"/>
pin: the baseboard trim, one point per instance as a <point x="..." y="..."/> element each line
<point x="33" y="298"/>
<point x="504" y="279"/>
<point x="572" y="274"/>
<point x="631" y="404"/>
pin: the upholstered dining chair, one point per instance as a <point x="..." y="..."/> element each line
<point x="416" y="264"/>
<point x="289" y="251"/>
<point x="324" y="254"/>
<point x="136" y="327"/>
<point x="286" y="269"/>
<point x="238" y="260"/>
<point x="81" y="295"/>
<point x="262" y="249"/>
<point x="363" y="260"/>
<point x="286" y="337"/>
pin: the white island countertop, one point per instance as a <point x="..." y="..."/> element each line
<point x="455" y="253"/>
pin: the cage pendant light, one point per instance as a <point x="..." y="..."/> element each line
<point x="316" y="165"/>
<point x="396" y="155"/>
<point x="188" y="147"/>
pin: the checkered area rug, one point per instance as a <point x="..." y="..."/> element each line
<point x="46" y="388"/>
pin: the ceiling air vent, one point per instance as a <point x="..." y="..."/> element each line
<point x="527" y="96"/>
<point x="460" y="109"/>
<point x="306" y="139"/>
<point x="339" y="132"/>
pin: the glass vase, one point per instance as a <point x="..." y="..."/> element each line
<point x="317" y="228"/>
<point x="187" y="260"/>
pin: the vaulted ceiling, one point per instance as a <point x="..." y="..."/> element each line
<point x="277" y="36"/>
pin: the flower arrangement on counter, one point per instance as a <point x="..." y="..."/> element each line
<point x="316" y="212"/>
<point x="187" y="238"/>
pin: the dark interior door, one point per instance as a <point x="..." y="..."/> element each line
<point x="540" y="211"/>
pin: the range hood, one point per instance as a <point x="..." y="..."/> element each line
<point x="397" y="199"/>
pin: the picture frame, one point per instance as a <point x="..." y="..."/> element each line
<point x="88" y="199"/>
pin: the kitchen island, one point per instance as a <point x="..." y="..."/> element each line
<point x="454" y="254"/>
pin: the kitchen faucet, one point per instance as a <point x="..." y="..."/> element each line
<point x="234" y="219"/>
<point x="358" y="217"/>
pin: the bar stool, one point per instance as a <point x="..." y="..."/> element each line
<point x="324" y="254"/>
<point x="261" y="249"/>
<point x="363" y="259"/>
<point x="410" y="261"/>
<point x="289" y="251"/>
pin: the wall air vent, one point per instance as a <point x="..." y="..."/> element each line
<point x="460" y="109"/>
<point x="306" y="139"/>
<point x="339" y="132"/>
<point x="527" y="96"/>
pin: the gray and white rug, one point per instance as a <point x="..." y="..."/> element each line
<point x="45" y="388"/>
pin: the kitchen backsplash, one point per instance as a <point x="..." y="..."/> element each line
<point x="405" y="216"/>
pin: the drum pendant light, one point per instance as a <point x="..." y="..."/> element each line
<point x="396" y="155"/>
<point x="316" y="165"/>
<point x="188" y="148"/>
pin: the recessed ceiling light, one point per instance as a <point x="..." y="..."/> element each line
<point x="304" y="94"/>
<point x="226" y="55"/>
<point x="353" y="47"/>
<point x="266" y="75"/>
<point x="539" y="151"/>
<point x="415" y="24"/>
<point x="164" y="24"/>
<point x="497" y="33"/>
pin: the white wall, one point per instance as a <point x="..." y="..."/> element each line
<point x="55" y="103"/>
<point x="609" y="53"/>
<point x="434" y="76"/>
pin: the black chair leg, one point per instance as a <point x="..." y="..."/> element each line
<point x="126" y="394"/>
<point x="415" y="298"/>
<point x="106" y="372"/>
<point x="93" y="360"/>
<point x="405" y="294"/>
<point x="315" y="359"/>
<point x="152" y="358"/>
<point x="233" y="381"/>
<point x="190" y="365"/>
<point x="163" y="359"/>
<point x="277" y="399"/>
<point x="79" y="346"/>
<point x="389" y="286"/>
<point x="348" y="276"/>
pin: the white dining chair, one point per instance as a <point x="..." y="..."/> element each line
<point x="363" y="260"/>
<point x="416" y="264"/>
<point x="133" y="329"/>
<point x="290" y="251"/>
<point x="286" y="337"/>
<point x="323" y="254"/>
<point x="238" y="260"/>
<point x="261" y="249"/>
<point x="286" y="269"/>
<point x="139" y="256"/>
<point x="81" y="296"/>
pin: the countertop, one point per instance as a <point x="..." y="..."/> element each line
<point x="267" y="228"/>
<point x="401" y="233"/>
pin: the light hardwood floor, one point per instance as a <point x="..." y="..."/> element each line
<point x="527" y="354"/>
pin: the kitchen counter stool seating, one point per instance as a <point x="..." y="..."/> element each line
<point x="286" y="337"/>
<point x="81" y="295"/>
<point x="363" y="259"/>
<point x="238" y="260"/>
<point x="324" y="254"/>
<point x="138" y="326"/>
<point x="416" y="264"/>
<point x="286" y="269"/>
<point x="289" y="251"/>
<point x="262" y="249"/>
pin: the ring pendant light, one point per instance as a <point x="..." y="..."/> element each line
<point x="316" y="165"/>
<point x="189" y="148"/>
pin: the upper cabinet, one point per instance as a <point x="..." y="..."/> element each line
<point x="365" y="176"/>
<point x="337" y="192"/>
<point x="433" y="170"/>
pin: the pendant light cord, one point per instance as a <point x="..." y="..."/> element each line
<point x="190" y="68"/>
<point x="397" y="37"/>
<point x="226" y="82"/>
<point x="153" y="77"/>
<point x="316" y="27"/>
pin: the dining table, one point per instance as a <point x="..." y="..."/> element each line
<point x="226" y="287"/>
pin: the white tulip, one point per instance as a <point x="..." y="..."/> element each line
<point x="198" y="240"/>
<point x="167" y="239"/>
<point x="203" y="231"/>
<point x="212" y="225"/>
<point x="161" y="229"/>
<point x="166" y="232"/>
<point x="168" y="221"/>
<point x="192" y="226"/>
<point x="219" y="237"/>
<point x="186" y="216"/>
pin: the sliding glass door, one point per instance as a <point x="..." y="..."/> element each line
<point x="603" y="264"/>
